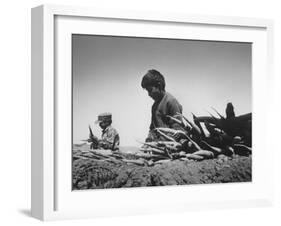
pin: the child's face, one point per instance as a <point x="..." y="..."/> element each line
<point x="103" y="124"/>
<point x="154" y="92"/>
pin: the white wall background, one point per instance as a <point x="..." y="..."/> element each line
<point x="15" y="111"/>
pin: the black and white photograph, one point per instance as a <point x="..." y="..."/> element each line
<point x="157" y="112"/>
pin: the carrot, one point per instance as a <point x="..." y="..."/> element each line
<point x="213" y="149"/>
<point x="79" y="157"/>
<point x="236" y="139"/>
<point x="199" y="125"/>
<point x="171" y="143"/>
<point x="164" y="135"/>
<point x="175" y="120"/>
<point x="155" y="150"/>
<point x="218" y="113"/>
<point x="193" y="126"/>
<point x="162" y="161"/>
<point x="187" y="121"/>
<point x="184" y="121"/>
<point x="193" y="142"/>
<point x="153" y="145"/>
<point x="246" y="148"/>
<point x="167" y="130"/>
<point x="229" y="150"/>
<point x="194" y="157"/>
<point x="204" y="153"/>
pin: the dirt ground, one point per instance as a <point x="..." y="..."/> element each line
<point x="96" y="174"/>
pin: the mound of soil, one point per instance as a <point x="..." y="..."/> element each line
<point x="97" y="174"/>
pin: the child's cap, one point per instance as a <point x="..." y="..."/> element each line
<point x="104" y="117"/>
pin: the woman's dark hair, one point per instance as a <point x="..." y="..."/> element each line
<point x="153" y="78"/>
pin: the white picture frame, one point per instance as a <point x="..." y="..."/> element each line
<point x="52" y="197"/>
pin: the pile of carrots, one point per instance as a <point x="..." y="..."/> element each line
<point x="201" y="138"/>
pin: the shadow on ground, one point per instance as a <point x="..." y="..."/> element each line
<point x="25" y="212"/>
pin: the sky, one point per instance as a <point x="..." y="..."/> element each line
<point x="107" y="73"/>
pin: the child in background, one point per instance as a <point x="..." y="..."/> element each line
<point x="110" y="138"/>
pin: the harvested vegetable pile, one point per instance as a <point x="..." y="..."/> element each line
<point x="175" y="156"/>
